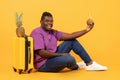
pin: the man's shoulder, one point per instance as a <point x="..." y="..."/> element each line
<point x="37" y="30"/>
<point x="56" y="31"/>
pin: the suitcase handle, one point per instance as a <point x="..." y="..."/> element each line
<point x="29" y="58"/>
<point x="29" y="50"/>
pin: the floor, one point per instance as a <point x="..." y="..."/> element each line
<point x="112" y="73"/>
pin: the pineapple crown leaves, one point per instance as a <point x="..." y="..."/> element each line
<point x="18" y="20"/>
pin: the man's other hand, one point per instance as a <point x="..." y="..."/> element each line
<point x="90" y="24"/>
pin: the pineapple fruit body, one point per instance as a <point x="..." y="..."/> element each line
<point x="20" y="32"/>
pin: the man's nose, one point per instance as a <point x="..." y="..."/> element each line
<point x="50" y="22"/>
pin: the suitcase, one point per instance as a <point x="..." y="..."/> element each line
<point x="22" y="54"/>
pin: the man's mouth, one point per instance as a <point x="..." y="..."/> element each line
<point x="49" y="26"/>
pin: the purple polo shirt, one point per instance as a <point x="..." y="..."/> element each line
<point x="44" y="40"/>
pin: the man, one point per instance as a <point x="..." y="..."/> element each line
<point x="50" y="58"/>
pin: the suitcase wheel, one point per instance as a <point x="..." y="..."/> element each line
<point x="29" y="71"/>
<point x="15" y="70"/>
<point x="20" y="71"/>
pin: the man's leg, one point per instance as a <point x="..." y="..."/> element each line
<point x="74" y="45"/>
<point x="58" y="63"/>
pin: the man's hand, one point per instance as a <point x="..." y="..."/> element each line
<point x="90" y="24"/>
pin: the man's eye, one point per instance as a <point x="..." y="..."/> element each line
<point x="48" y="20"/>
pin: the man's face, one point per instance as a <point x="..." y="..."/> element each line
<point x="47" y="23"/>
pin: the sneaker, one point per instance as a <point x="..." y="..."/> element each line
<point x="95" y="66"/>
<point x="81" y="64"/>
<point x="92" y="67"/>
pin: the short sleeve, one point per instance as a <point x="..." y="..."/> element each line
<point x="58" y="34"/>
<point x="38" y="41"/>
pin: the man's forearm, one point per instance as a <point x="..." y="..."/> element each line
<point x="67" y="36"/>
<point x="47" y="54"/>
<point x="79" y="33"/>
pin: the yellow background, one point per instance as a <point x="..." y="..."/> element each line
<point x="102" y="43"/>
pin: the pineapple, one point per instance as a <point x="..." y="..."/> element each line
<point x="20" y="31"/>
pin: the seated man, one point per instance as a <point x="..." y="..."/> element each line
<point x="48" y="57"/>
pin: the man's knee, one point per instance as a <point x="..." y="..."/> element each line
<point x="66" y="59"/>
<point x="70" y="59"/>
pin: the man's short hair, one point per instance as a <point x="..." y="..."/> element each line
<point x="46" y="14"/>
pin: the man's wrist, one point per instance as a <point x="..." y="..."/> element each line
<point x="58" y="54"/>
